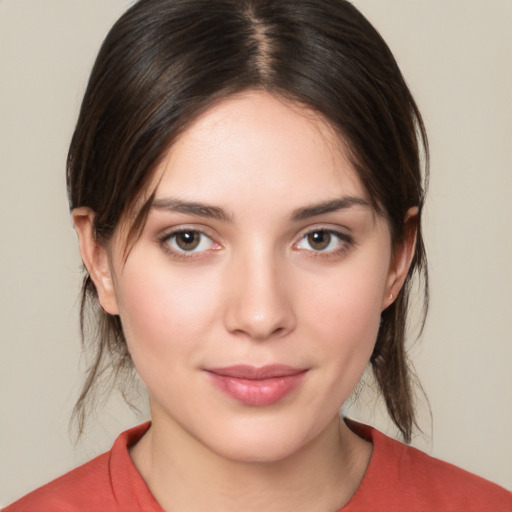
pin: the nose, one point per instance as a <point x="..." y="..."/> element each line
<point x="260" y="302"/>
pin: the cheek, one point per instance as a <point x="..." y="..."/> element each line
<point x="165" y="315"/>
<point x="343" y="312"/>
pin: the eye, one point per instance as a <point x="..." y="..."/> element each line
<point x="188" y="241"/>
<point x="323" y="240"/>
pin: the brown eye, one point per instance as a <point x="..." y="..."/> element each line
<point x="324" y="241"/>
<point x="187" y="243"/>
<point x="188" y="240"/>
<point x="319" y="240"/>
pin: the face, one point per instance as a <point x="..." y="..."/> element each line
<point x="252" y="301"/>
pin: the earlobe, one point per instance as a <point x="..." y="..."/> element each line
<point x="95" y="258"/>
<point x="402" y="258"/>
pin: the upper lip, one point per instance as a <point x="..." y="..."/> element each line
<point x="243" y="371"/>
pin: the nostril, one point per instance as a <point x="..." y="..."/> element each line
<point x="278" y="331"/>
<point x="262" y="331"/>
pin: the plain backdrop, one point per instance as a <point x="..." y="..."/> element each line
<point x="457" y="58"/>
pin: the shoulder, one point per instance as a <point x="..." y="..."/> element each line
<point x="446" y="486"/>
<point x="72" y="491"/>
<point x="404" y="478"/>
<point x="109" y="483"/>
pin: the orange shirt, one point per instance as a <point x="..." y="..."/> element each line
<point x="398" y="479"/>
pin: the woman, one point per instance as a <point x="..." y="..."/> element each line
<point x="245" y="182"/>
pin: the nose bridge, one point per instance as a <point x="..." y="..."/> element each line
<point x="259" y="303"/>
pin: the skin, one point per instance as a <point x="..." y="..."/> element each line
<point x="258" y="289"/>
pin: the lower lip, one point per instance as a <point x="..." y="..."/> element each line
<point x="257" y="392"/>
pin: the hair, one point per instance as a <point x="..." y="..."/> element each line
<point x="167" y="61"/>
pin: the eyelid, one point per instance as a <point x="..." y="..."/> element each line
<point x="165" y="236"/>
<point x="345" y="240"/>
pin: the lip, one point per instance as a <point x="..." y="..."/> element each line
<point x="257" y="386"/>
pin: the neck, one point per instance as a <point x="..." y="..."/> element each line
<point x="183" y="474"/>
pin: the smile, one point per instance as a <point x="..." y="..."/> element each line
<point x="257" y="386"/>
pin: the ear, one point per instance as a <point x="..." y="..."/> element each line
<point x="95" y="257"/>
<point x="401" y="258"/>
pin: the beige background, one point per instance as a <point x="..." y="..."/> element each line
<point x="456" y="55"/>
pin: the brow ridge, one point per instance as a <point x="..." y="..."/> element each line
<point x="330" y="206"/>
<point x="191" y="208"/>
<point x="215" y="212"/>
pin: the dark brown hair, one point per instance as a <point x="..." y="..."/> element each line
<point x="166" y="61"/>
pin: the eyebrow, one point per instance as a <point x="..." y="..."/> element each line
<point x="218" y="213"/>
<point x="330" y="206"/>
<point x="192" y="208"/>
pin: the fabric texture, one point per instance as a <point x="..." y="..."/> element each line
<point x="398" y="479"/>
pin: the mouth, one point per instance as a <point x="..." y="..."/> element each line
<point x="257" y="386"/>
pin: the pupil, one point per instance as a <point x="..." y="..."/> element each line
<point x="188" y="240"/>
<point x="319" y="239"/>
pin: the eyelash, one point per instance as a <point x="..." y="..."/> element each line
<point x="182" y="254"/>
<point x="345" y="243"/>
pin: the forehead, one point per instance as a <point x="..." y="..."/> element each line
<point x="255" y="142"/>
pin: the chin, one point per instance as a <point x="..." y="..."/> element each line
<point x="260" y="445"/>
<point x="264" y="452"/>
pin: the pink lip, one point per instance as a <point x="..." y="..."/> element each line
<point x="253" y="385"/>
